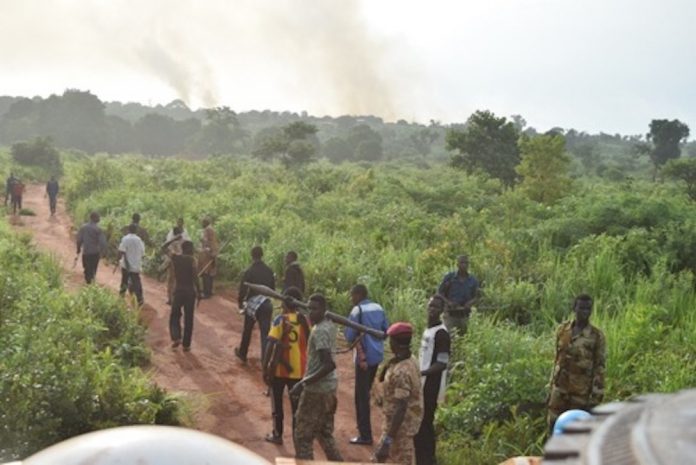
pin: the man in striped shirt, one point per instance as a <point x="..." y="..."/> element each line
<point x="369" y="354"/>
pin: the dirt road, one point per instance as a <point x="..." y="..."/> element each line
<point x="233" y="403"/>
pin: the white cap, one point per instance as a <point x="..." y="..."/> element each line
<point x="151" y="445"/>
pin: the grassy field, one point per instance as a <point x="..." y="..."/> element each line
<point x="630" y="244"/>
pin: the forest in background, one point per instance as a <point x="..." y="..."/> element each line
<point x="543" y="217"/>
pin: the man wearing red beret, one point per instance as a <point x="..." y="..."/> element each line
<point x="402" y="402"/>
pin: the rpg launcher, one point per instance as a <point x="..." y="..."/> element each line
<point x="338" y="319"/>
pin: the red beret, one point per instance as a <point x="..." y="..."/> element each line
<point x="400" y="329"/>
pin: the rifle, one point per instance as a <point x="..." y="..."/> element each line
<point x="331" y="316"/>
<point x="205" y="268"/>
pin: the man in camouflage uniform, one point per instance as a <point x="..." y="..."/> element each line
<point x="402" y="400"/>
<point x="317" y="390"/>
<point x="208" y="257"/>
<point x="577" y="381"/>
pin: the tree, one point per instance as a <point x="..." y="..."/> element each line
<point x="544" y="167"/>
<point x="337" y="149"/>
<point x="40" y="152"/>
<point x="487" y="143"/>
<point x="683" y="169"/>
<point x="365" y="143"/>
<point x="293" y="144"/>
<point x="221" y="133"/>
<point x="666" y="137"/>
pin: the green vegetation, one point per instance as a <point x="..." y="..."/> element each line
<point x="396" y="228"/>
<point x="69" y="363"/>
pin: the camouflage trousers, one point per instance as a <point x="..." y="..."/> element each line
<point x="402" y="450"/>
<point x="315" y="420"/>
<point x="560" y="402"/>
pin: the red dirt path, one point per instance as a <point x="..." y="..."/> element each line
<point x="233" y="403"/>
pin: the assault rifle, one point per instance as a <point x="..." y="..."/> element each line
<point x="210" y="263"/>
<point x="331" y="316"/>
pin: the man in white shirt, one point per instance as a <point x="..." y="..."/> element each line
<point x="131" y="252"/>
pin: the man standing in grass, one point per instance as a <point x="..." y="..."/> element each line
<point x="91" y="241"/>
<point x="317" y="390"/>
<point x="185" y="292"/>
<point x="577" y="381"/>
<point x="208" y="257"/>
<point x="434" y="358"/>
<point x="294" y="276"/>
<point x="52" y="193"/>
<point x="8" y="187"/>
<point x="369" y="354"/>
<point x="461" y="290"/>
<point x="131" y="252"/>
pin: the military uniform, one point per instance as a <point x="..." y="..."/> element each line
<point x="317" y="406"/>
<point x="402" y="381"/>
<point x="206" y="260"/>
<point x="577" y="381"/>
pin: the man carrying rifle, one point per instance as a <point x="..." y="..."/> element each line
<point x="285" y="359"/>
<point x="208" y="257"/>
<point x="369" y="353"/>
<point x="170" y="248"/>
<point x="131" y="251"/>
<point x="460" y="289"/>
<point x="317" y="389"/>
<point x="185" y="293"/>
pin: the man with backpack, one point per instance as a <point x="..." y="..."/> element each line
<point x="369" y="353"/>
<point x="460" y="290"/>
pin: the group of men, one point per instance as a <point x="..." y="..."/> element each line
<point x="298" y="352"/>
<point x="14" y="192"/>
<point x="298" y="356"/>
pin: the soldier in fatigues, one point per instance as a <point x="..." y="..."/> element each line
<point x="402" y="401"/>
<point x="207" y="258"/>
<point x="577" y="381"/>
<point x="317" y="390"/>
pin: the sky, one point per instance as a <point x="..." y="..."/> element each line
<point x="593" y="65"/>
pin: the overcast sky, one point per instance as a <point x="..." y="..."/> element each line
<point x="596" y="65"/>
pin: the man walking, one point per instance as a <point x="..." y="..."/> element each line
<point x="8" y="187"/>
<point x="461" y="290"/>
<point x="185" y="293"/>
<point x="317" y="390"/>
<point x="294" y="276"/>
<point x="208" y="258"/>
<point x="577" y="381"/>
<point x="17" y="194"/>
<point x="285" y="359"/>
<point x="434" y="358"/>
<point x="92" y="243"/>
<point x="402" y="403"/>
<point x="52" y="193"/>
<point x="131" y="252"/>
<point x="172" y="247"/>
<point x="256" y="307"/>
<point x="369" y="353"/>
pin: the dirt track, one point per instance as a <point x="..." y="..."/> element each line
<point x="233" y="403"/>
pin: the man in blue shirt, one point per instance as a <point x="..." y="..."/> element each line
<point x="369" y="354"/>
<point x="460" y="289"/>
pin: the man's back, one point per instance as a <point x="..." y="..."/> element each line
<point x="52" y="188"/>
<point x="134" y="249"/>
<point x="294" y="277"/>
<point x="370" y="314"/>
<point x="185" y="269"/>
<point x="91" y="239"/>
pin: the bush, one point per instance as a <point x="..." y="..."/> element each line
<point x="38" y="153"/>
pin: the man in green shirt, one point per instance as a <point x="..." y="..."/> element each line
<point x="317" y="390"/>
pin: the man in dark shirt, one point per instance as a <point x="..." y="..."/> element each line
<point x="294" y="276"/>
<point x="52" y="193"/>
<point x="91" y="241"/>
<point x="257" y="307"/>
<point x="8" y="186"/>
<point x="434" y="358"/>
<point x="139" y="231"/>
<point x="185" y="292"/>
<point x="460" y="289"/>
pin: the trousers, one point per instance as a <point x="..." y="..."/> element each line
<point x="52" y="202"/>
<point x="424" y="440"/>
<point x="263" y="316"/>
<point x="278" y="389"/>
<point x="90" y="263"/>
<point x="315" y="420"/>
<point x="187" y="301"/>
<point x="363" y="384"/>
<point x="131" y="282"/>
